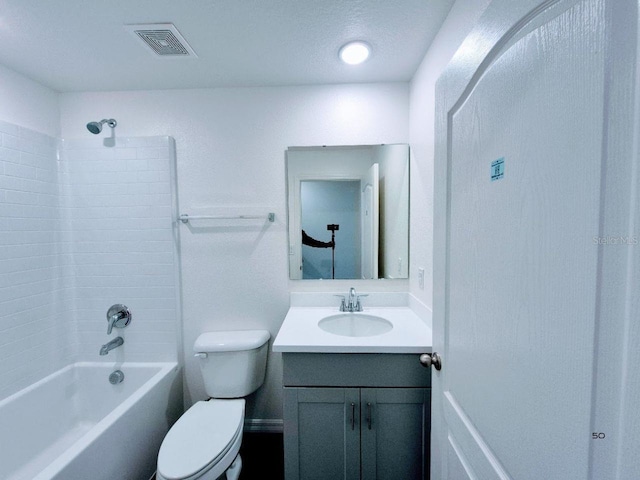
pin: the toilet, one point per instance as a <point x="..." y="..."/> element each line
<point x="204" y="443"/>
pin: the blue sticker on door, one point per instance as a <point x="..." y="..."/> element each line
<point x="497" y="169"/>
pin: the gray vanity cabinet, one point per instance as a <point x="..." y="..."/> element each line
<point x="395" y="433"/>
<point x="322" y="433"/>
<point x="356" y="417"/>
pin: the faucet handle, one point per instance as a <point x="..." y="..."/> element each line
<point x="358" y="304"/>
<point x="118" y="316"/>
<point x="343" y="305"/>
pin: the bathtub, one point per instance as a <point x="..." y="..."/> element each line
<point x="75" y="425"/>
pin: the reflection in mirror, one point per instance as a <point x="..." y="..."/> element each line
<point x="348" y="212"/>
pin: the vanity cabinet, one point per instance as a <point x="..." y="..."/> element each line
<point x="356" y="416"/>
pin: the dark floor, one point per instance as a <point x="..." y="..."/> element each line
<point x="262" y="456"/>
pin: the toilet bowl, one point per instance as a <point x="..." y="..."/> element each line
<point x="204" y="443"/>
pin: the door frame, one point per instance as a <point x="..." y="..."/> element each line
<point x="295" y="218"/>
<point x="369" y="259"/>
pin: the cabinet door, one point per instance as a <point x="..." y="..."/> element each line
<point x="322" y="433"/>
<point x="395" y="433"/>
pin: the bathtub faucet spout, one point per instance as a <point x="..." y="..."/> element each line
<point x="107" y="347"/>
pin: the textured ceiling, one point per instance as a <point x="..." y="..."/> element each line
<point x="81" y="45"/>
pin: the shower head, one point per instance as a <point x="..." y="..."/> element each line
<point x="96" y="127"/>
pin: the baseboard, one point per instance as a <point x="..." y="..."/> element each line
<point x="265" y="425"/>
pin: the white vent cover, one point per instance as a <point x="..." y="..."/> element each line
<point x="163" y="39"/>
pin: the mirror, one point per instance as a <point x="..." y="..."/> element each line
<point x="348" y="210"/>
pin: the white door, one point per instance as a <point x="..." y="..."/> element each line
<point x="535" y="265"/>
<point x="370" y="222"/>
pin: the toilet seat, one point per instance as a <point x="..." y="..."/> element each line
<point x="201" y="439"/>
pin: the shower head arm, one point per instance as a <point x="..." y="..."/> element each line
<point x="109" y="121"/>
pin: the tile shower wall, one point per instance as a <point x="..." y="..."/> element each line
<point x="84" y="226"/>
<point x="36" y="323"/>
<point x="120" y="218"/>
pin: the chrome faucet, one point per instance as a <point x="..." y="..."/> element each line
<point x="354" y="301"/>
<point x="107" y="347"/>
<point x="353" y="304"/>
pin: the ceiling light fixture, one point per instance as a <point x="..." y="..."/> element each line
<point x="354" y="53"/>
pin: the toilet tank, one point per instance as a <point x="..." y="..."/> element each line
<point x="232" y="363"/>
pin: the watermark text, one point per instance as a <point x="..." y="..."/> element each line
<point x="616" y="240"/>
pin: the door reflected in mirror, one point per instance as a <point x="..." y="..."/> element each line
<point x="348" y="212"/>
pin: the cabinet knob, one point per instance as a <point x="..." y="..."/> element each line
<point x="431" y="359"/>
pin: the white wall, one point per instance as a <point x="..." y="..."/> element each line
<point x="28" y="104"/>
<point x="457" y="25"/>
<point x="231" y="151"/>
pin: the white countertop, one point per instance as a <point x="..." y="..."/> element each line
<point x="300" y="333"/>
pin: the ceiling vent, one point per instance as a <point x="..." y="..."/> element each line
<point x="163" y="39"/>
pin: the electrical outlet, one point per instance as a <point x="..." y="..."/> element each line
<point x="421" y="278"/>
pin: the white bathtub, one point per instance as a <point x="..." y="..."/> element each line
<point x="75" y="425"/>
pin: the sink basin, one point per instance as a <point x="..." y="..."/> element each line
<point x="355" y="325"/>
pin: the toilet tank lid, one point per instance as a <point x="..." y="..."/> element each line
<point x="231" y="341"/>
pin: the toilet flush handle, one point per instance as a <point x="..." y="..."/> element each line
<point x="200" y="355"/>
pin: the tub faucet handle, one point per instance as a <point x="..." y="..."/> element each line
<point x="118" y="316"/>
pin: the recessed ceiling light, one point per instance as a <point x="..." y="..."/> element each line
<point x="354" y="53"/>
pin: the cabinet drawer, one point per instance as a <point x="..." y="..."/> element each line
<point x="354" y="370"/>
